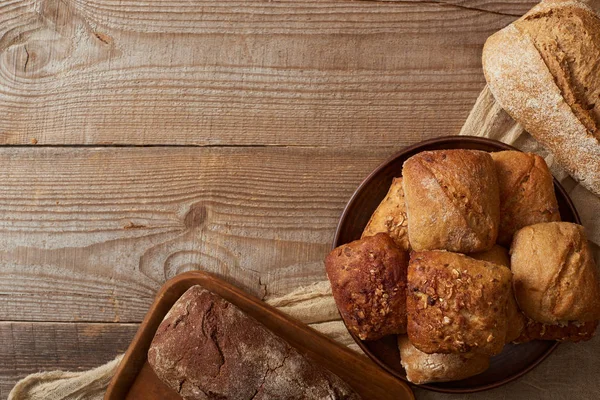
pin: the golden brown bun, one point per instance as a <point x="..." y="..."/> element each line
<point x="368" y="281"/>
<point x="515" y="318"/>
<point x="571" y="332"/>
<point x="423" y="368"/>
<point x="390" y="217"/>
<point x="456" y="304"/>
<point x="544" y="70"/>
<point x="452" y="200"/>
<point x="526" y="192"/>
<point x="555" y="278"/>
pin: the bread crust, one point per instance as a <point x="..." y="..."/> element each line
<point x="555" y="277"/>
<point x="526" y="88"/>
<point x="390" y="217"/>
<point x="368" y="282"/>
<point x="206" y="348"/>
<point x="497" y="255"/>
<point x="571" y="332"/>
<point x="456" y="304"/>
<point x="452" y="200"/>
<point x="526" y="192"/>
<point x="515" y="318"/>
<point x="424" y="368"/>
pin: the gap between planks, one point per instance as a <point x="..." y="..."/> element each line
<point x="448" y="4"/>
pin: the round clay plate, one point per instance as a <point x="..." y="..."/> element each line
<point x="515" y="360"/>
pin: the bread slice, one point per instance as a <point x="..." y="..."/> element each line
<point x="529" y="88"/>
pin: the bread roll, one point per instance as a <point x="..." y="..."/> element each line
<point x="368" y="282"/>
<point x="544" y="70"/>
<point x="555" y="278"/>
<point x="456" y="304"/>
<point x="570" y="332"/>
<point x="515" y="318"/>
<point x="497" y="255"/>
<point x="206" y="348"/>
<point x="424" y="368"/>
<point x="526" y="192"/>
<point x="452" y="200"/>
<point x="390" y="217"/>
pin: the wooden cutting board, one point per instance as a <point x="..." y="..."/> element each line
<point x="135" y="380"/>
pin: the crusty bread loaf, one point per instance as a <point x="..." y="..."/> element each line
<point x="452" y="200"/>
<point x="456" y="304"/>
<point x="555" y="278"/>
<point x="514" y="317"/>
<point x="390" y="217"/>
<point x="206" y="348"/>
<point x="544" y="70"/>
<point x="423" y="368"/>
<point x="526" y="192"/>
<point x="368" y="282"/>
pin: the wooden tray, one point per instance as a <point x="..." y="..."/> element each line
<point x="515" y="360"/>
<point x="135" y="380"/>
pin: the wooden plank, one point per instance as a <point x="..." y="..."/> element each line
<point x="90" y="234"/>
<point x="32" y="347"/>
<point x="311" y="72"/>
<point x="507" y="7"/>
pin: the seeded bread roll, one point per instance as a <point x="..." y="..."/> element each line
<point x="514" y="317"/>
<point x="390" y="217"/>
<point x="526" y="192"/>
<point x="544" y="70"/>
<point x="206" y="348"/>
<point x="456" y="304"/>
<point x="452" y="200"/>
<point x="424" y="368"/>
<point x="368" y="282"/>
<point x="555" y="278"/>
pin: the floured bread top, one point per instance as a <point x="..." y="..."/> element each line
<point x="568" y="39"/>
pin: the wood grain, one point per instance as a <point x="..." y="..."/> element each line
<point x="90" y="234"/>
<point x="31" y="347"/>
<point x="310" y="72"/>
<point x="506" y="7"/>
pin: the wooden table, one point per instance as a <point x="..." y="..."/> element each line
<point x="144" y="139"/>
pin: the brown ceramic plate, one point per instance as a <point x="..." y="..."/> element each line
<point x="135" y="379"/>
<point x="515" y="360"/>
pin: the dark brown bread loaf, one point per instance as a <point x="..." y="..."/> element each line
<point x="368" y="281"/>
<point x="206" y="348"/>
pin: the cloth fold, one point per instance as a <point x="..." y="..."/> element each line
<point x="61" y="385"/>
